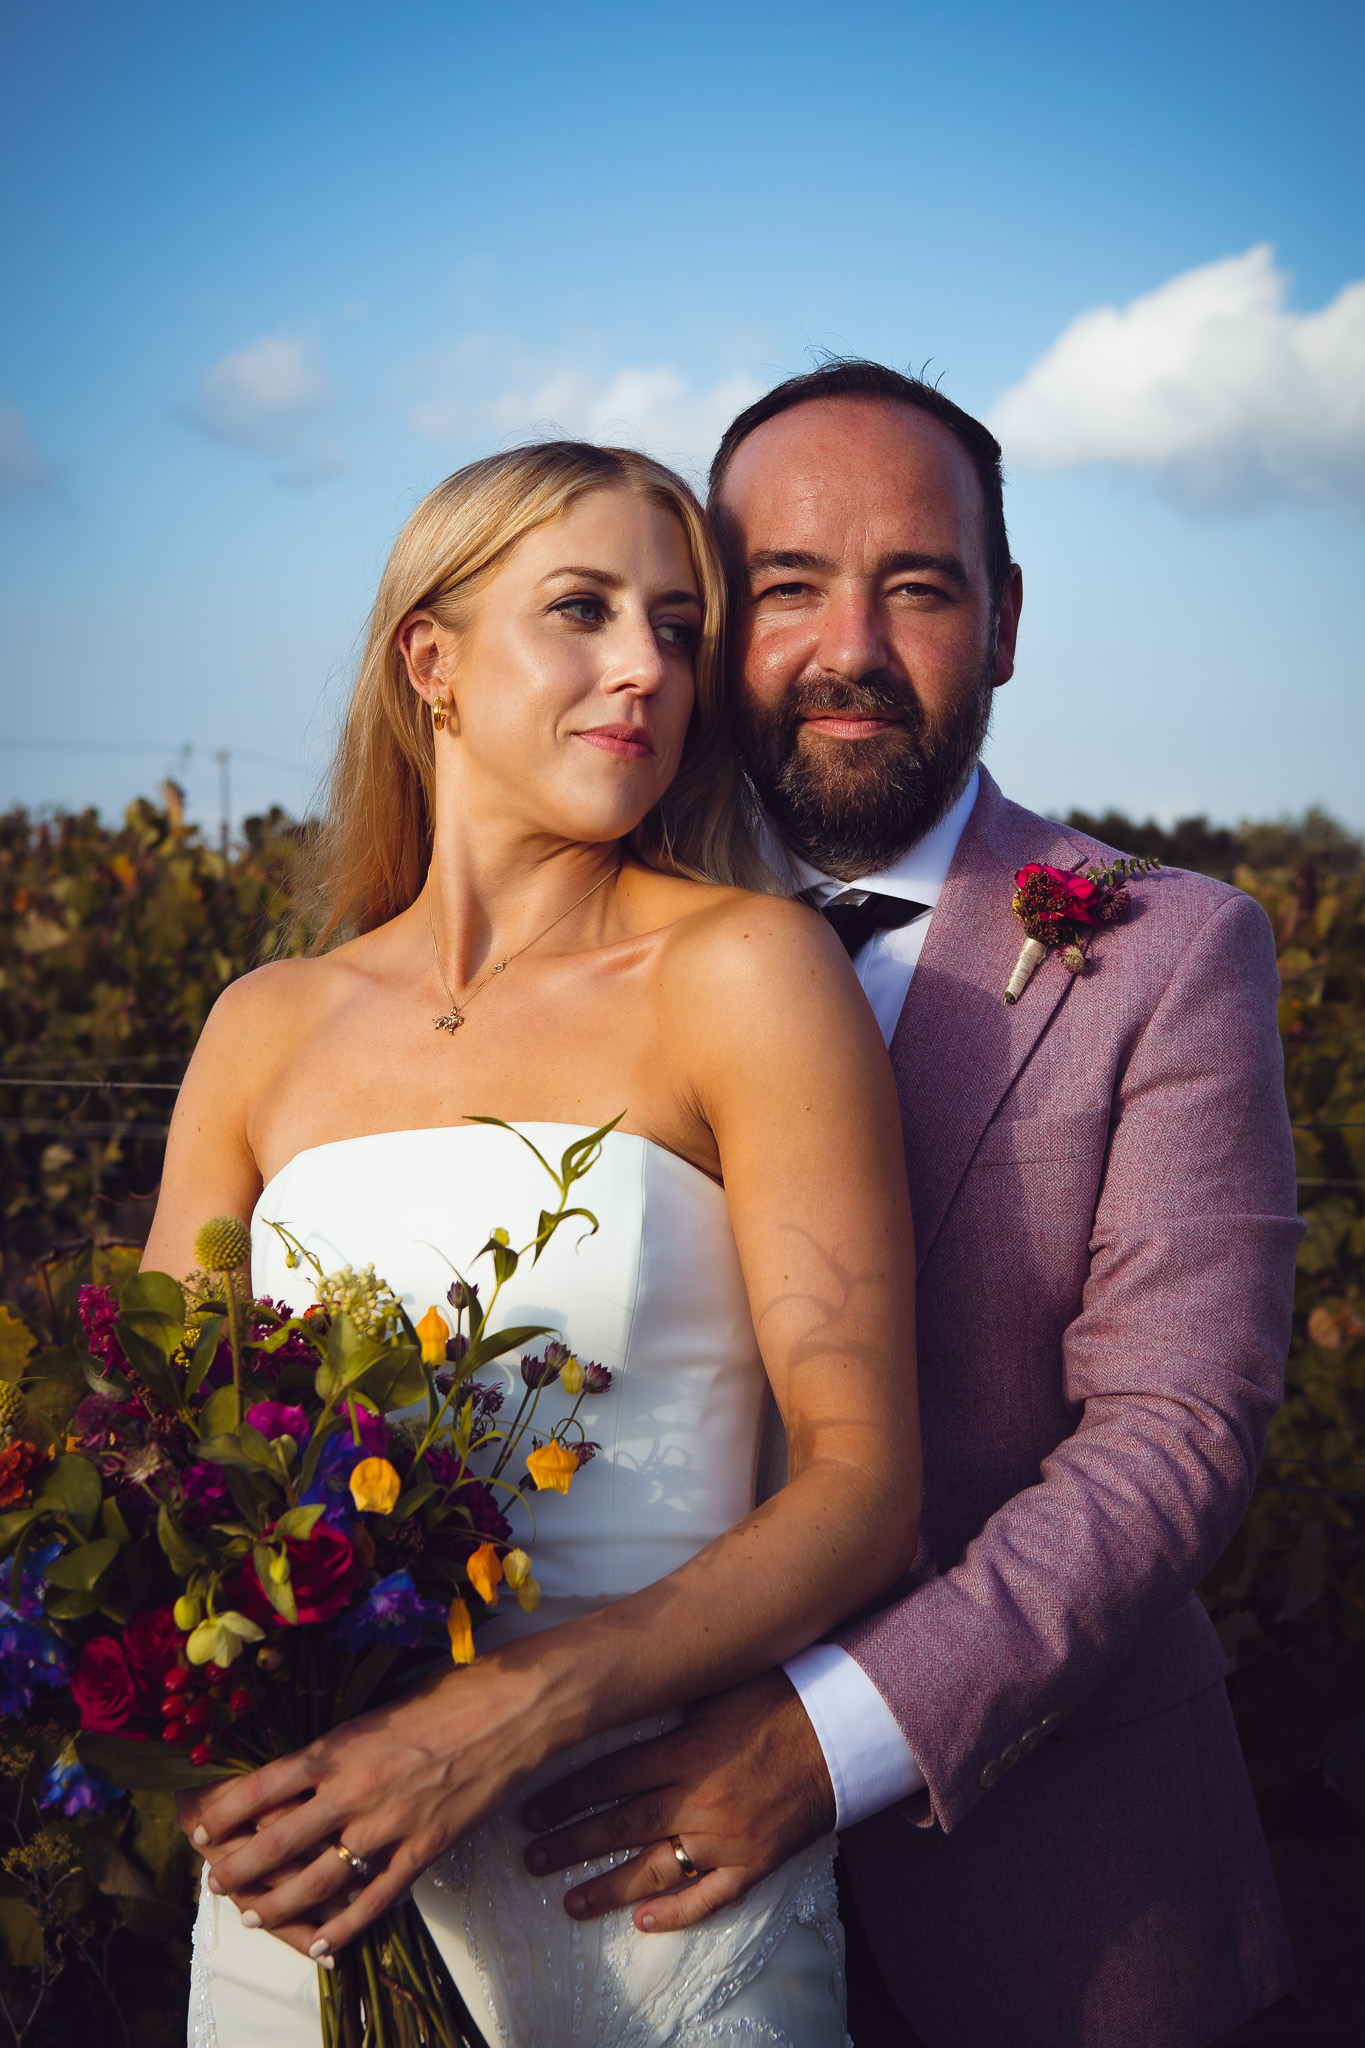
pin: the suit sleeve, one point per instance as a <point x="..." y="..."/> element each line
<point x="1175" y="1362"/>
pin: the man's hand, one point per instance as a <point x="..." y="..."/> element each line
<point x="742" y="1782"/>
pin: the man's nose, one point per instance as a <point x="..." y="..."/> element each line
<point x="853" y="637"/>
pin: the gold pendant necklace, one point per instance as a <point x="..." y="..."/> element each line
<point x="455" y="1015"/>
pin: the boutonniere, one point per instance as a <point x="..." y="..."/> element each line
<point x="1057" y="905"/>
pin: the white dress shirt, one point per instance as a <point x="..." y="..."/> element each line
<point x="870" y="1763"/>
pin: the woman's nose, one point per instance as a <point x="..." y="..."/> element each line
<point x="637" y="660"/>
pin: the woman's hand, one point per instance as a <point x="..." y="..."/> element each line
<point x="397" y="1786"/>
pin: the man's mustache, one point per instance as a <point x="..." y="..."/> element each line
<point x="832" y="696"/>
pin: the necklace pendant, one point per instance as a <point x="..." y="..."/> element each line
<point x="451" y="1022"/>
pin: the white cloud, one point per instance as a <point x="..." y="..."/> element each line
<point x="22" y="468"/>
<point x="263" y="397"/>
<point x="654" y="407"/>
<point x="1211" y="386"/>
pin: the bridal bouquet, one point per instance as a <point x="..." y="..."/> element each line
<point x="225" y="1527"/>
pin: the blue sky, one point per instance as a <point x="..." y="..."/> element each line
<point x="273" y="270"/>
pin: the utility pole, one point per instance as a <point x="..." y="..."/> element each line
<point x="222" y="757"/>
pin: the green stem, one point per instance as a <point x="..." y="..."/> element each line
<point x="235" y="1339"/>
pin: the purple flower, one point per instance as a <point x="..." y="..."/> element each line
<point x="278" y="1418"/>
<point x="98" y="1310"/>
<point x="207" y="1497"/>
<point x="75" y="1789"/>
<point x="596" y="1378"/>
<point x="543" y="1372"/>
<point x="392" y="1613"/>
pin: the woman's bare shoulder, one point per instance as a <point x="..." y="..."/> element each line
<point x="270" y="1010"/>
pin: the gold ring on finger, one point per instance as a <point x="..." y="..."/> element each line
<point x="685" y="1863"/>
<point x="358" y="1863"/>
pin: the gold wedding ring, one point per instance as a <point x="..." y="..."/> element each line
<point x="685" y="1863"/>
<point x="357" y="1863"/>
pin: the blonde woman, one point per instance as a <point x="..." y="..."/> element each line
<point x="541" y="902"/>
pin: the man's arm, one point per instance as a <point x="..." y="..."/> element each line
<point x="1176" y="1362"/>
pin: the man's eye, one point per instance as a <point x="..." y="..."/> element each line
<point x="784" y="590"/>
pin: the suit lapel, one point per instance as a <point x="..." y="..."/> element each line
<point x="958" y="1046"/>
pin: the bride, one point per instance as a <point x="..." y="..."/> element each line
<point x="540" y="901"/>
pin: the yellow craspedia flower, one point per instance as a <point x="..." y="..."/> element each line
<point x="13" y="1408"/>
<point x="222" y="1244"/>
<point x="461" y="1633"/>
<point x="375" y="1486"/>
<point x="552" y="1467"/>
<point x="485" y="1573"/>
<point x="432" y="1335"/>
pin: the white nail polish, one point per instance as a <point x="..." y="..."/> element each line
<point x="327" y="1962"/>
<point x="319" y="1949"/>
<point x="250" y="1919"/>
<point x="200" y="1837"/>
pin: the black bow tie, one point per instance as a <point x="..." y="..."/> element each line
<point x="858" y="913"/>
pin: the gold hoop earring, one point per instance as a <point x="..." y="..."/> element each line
<point x="438" y="713"/>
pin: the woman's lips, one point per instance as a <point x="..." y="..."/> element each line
<point x="627" y="742"/>
<point x="847" y="727"/>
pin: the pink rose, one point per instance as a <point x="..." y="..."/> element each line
<point x="324" y="1571"/>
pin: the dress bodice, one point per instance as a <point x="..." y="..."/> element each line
<point x="656" y="1294"/>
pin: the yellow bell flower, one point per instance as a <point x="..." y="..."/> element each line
<point x="375" y="1486"/>
<point x="552" y="1467"/>
<point x="516" y="1568"/>
<point x="433" y="1335"/>
<point x="461" y="1633"/>
<point x="485" y="1573"/>
<point x="571" y="1375"/>
<point x="220" y="1639"/>
<point x="528" y="1595"/>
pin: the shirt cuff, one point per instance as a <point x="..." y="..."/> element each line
<point x="869" y="1761"/>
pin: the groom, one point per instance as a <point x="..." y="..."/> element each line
<point x="1046" y="1823"/>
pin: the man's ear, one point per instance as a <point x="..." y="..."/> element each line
<point x="1007" y="633"/>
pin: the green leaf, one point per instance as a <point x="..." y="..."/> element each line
<point x="484" y="1348"/>
<point x="112" y="1522"/>
<point x="21" y="1935"/>
<point x="227" y="1450"/>
<point x="148" y="1360"/>
<point x="12" y="1527"/>
<point x="102" y="1380"/>
<point x="219" y="1412"/>
<point x="72" y="1488"/>
<point x="155" y="1296"/>
<point x="205" y="1351"/>
<point x="550" y="1224"/>
<point x="16" y="1343"/>
<point x="72" y="1606"/>
<point x="299" y="1522"/>
<point x="257" y="1448"/>
<point x="409" y="1502"/>
<point x="183" y="1554"/>
<point x="77" y="1570"/>
<point x="369" y="1673"/>
<point x="146" y="1766"/>
<point x="398" y="1381"/>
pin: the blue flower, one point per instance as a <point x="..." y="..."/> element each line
<point x="30" y="1655"/>
<point x="392" y="1613"/>
<point x="330" y="1487"/>
<point x="74" y="1788"/>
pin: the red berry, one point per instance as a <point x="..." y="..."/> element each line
<point x="198" y="1714"/>
<point x="177" y="1678"/>
<point x="201" y="1753"/>
<point x="216" y="1670"/>
<point x="172" y="1708"/>
<point x="239" y="1702"/>
<point x="174" y="1731"/>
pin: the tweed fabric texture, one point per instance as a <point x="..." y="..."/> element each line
<point x="1102" y="1179"/>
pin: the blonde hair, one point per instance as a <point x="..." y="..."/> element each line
<point x="371" y="855"/>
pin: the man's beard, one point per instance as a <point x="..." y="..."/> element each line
<point x="853" y="807"/>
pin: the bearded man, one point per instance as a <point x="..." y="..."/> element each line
<point x="1047" y="1828"/>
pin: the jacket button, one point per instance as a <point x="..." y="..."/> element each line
<point x="989" y="1775"/>
<point x="1048" y="1723"/>
<point x="1029" y="1741"/>
<point x="1010" y="1757"/>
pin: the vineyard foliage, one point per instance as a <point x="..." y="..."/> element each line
<point x="114" y="943"/>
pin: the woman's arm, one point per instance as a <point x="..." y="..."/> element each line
<point x="761" y="1013"/>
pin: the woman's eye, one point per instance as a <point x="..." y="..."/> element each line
<point x="678" y="633"/>
<point x="588" y="611"/>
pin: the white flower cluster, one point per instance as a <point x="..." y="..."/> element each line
<point x="371" y="1303"/>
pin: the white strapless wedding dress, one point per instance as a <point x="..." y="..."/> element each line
<point x="657" y="1294"/>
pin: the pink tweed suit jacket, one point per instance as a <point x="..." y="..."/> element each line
<point x="1103" y="1188"/>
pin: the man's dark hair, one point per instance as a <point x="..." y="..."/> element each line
<point x="852" y="377"/>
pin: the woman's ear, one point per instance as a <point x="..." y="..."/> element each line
<point x="420" y="647"/>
